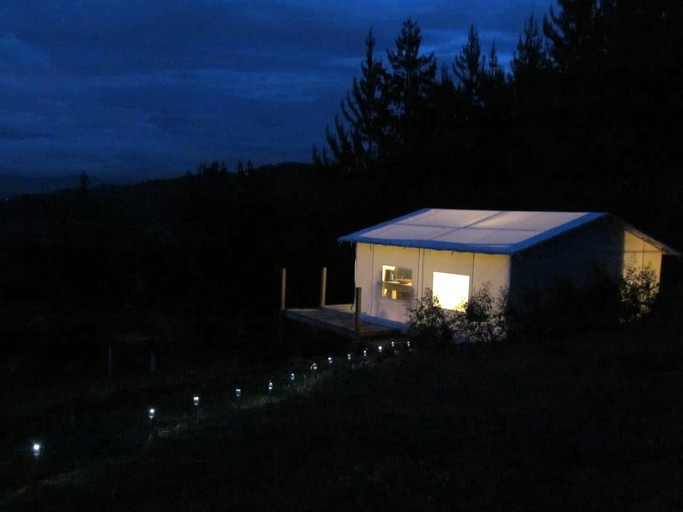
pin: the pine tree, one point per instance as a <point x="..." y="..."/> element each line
<point x="481" y="80"/>
<point x="357" y="138"/>
<point x="576" y="41"/>
<point x="469" y="68"/>
<point x="493" y="81"/>
<point x="530" y="62"/>
<point x="410" y="84"/>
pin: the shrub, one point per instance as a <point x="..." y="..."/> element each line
<point x="428" y="323"/>
<point x="483" y="319"/>
<point x="638" y="290"/>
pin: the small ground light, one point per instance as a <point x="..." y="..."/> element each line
<point x="150" y="413"/>
<point x="329" y="360"/>
<point x="408" y="343"/>
<point x="238" y="392"/>
<point x="195" y="400"/>
<point x="348" y="356"/>
<point x="270" y="385"/>
<point x="393" y="344"/>
<point x="380" y="349"/>
<point x="292" y="376"/>
<point x="36" y="450"/>
<point x="314" y="366"/>
<point x="365" y="352"/>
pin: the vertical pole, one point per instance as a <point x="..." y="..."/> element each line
<point x="110" y="361"/>
<point x="283" y="294"/>
<point x="359" y="297"/>
<point x="283" y="289"/>
<point x="323" y="286"/>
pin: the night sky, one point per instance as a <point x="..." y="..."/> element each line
<point x="143" y="87"/>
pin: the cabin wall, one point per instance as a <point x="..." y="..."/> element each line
<point x="578" y="256"/>
<point x="481" y="268"/>
<point x="602" y="248"/>
<point x="640" y="253"/>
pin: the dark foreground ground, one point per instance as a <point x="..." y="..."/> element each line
<point x="589" y="423"/>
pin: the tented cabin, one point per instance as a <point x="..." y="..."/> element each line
<point x="455" y="252"/>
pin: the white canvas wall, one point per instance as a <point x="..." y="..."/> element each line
<point x="639" y="252"/>
<point x="481" y="268"/>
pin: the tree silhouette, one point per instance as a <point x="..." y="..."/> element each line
<point x="530" y="62"/>
<point x="357" y="137"/>
<point x="410" y="84"/>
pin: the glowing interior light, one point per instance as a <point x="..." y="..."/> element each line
<point x="195" y="399"/>
<point x="151" y="414"/>
<point x="452" y="290"/>
<point x="329" y="360"/>
<point x="314" y="366"/>
<point x="348" y="356"/>
<point x="291" y="376"/>
<point x="270" y="385"/>
<point x="36" y="449"/>
<point x="380" y="349"/>
<point x="238" y="392"/>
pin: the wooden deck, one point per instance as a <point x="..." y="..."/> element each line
<point x="340" y="319"/>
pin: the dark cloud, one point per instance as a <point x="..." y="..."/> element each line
<point x="134" y="86"/>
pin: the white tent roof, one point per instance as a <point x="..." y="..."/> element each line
<point x="482" y="231"/>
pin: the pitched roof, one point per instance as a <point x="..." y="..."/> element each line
<point x="481" y="231"/>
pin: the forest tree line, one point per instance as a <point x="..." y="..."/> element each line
<point x="587" y="117"/>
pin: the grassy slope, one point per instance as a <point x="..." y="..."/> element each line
<point x="588" y="423"/>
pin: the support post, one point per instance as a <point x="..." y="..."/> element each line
<point x="283" y="295"/>
<point x="283" y="289"/>
<point x="359" y="299"/>
<point x="152" y="361"/>
<point x="323" y="286"/>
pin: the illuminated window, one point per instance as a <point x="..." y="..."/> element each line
<point x="452" y="290"/>
<point x="397" y="283"/>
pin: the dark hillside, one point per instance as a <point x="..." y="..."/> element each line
<point x="588" y="423"/>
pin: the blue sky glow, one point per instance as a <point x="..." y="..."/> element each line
<point x="128" y="87"/>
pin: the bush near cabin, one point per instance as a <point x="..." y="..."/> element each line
<point x="482" y="319"/>
<point x="537" y="314"/>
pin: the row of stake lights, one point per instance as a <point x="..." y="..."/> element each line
<point x="36" y="447"/>
<point x="238" y="391"/>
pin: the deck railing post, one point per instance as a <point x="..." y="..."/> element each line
<point x="283" y="288"/>
<point x="283" y="295"/>
<point x="323" y="286"/>
<point x="359" y="300"/>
